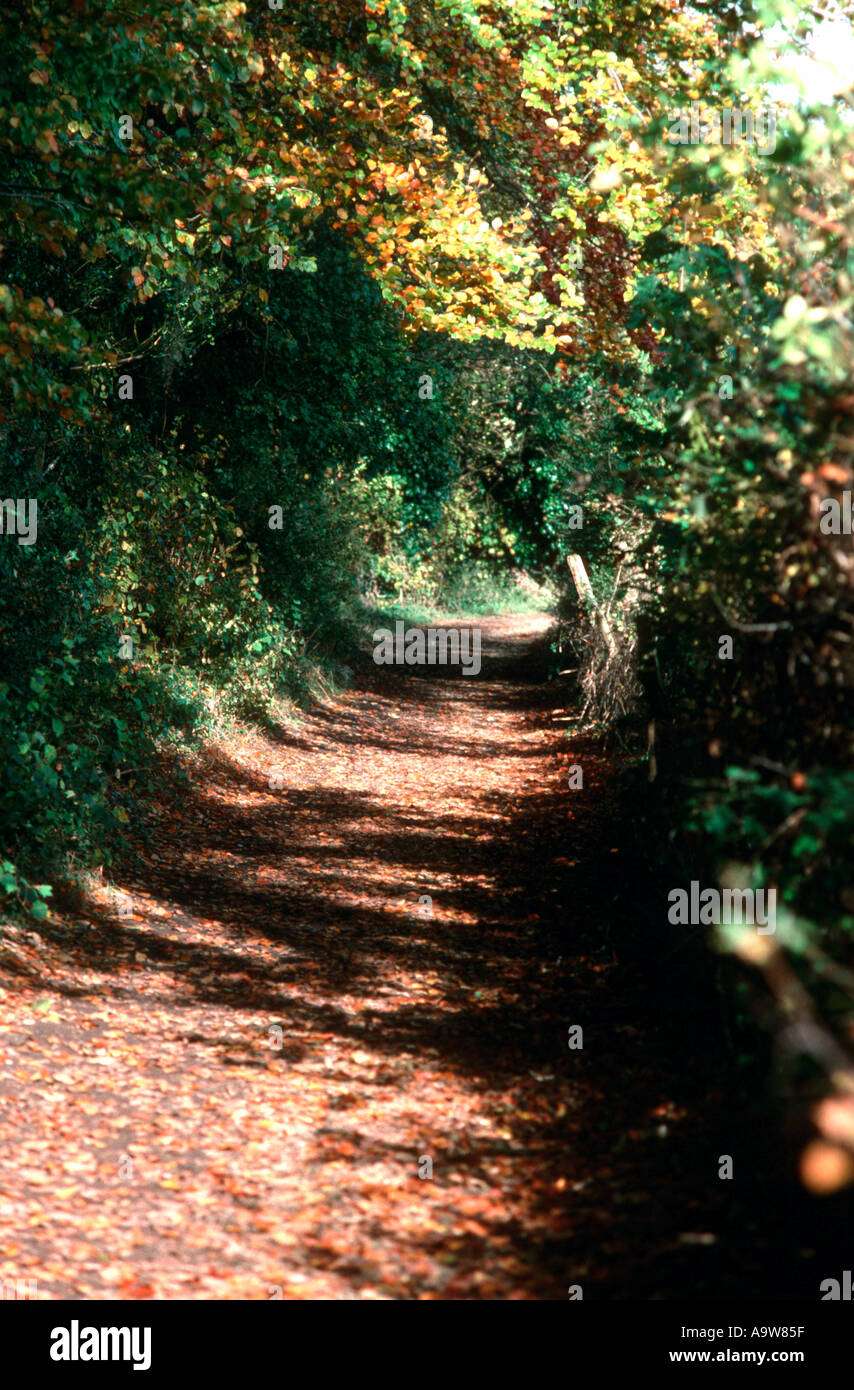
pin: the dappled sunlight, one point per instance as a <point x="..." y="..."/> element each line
<point x="349" y="983"/>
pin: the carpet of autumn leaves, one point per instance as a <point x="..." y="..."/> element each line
<point x="155" y="1143"/>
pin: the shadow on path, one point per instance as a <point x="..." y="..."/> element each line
<point x="353" y="958"/>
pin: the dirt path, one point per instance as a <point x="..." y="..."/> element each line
<point x="158" y="1143"/>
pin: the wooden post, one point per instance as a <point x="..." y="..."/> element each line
<point x="585" y="593"/>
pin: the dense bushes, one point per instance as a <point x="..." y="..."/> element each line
<point x="741" y="597"/>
